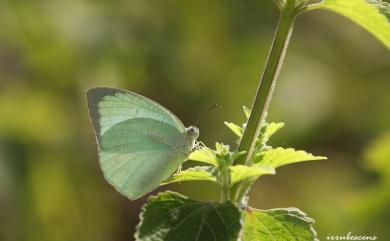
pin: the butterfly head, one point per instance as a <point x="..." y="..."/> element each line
<point x="192" y="132"/>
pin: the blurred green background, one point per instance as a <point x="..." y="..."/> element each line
<point x="333" y="95"/>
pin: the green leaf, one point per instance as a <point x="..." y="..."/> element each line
<point x="203" y="173"/>
<point x="205" y="155"/>
<point x="236" y="154"/>
<point x="268" y="130"/>
<point x="372" y="15"/>
<point x="288" y="224"/>
<point x="221" y="149"/>
<point x="279" y="157"/>
<point x="247" y="111"/>
<point x="384" y="7"/>
<point x="241" y="172"/>
<point x="219" y="157"/>
<point x="173" y="217"/>
<point x="238" y="130"/>
<point x="271" y="129"/>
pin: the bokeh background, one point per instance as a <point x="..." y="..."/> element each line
<point x="333" y="94"/>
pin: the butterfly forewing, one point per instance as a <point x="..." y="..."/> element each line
<point x="109" y="106"/>
<point x="140" y="142"/>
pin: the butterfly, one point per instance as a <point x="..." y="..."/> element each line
<point x="140" y="143"/>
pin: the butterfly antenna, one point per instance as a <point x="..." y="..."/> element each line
<point x="206" y="112"/>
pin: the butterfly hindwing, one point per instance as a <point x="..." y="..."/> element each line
<point x="140" y="142"/>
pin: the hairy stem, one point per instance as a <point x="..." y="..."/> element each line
<point x="267" y="83"/>
<point x="225" y="184"/>
<point x="265" y="89"/>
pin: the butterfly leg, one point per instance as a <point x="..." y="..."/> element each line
<point x="178" y="169"/>
<point x="199" y="145"/>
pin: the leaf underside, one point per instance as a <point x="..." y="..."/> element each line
<point x="242" y="172"/>
<point x="173" y="217"/>
<point x="372" y="15"/>
<point x="208" y="173"/>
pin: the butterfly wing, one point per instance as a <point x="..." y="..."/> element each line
<point x="140" y="142"/>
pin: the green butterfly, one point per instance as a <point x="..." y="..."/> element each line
<point x="140" y="142"/>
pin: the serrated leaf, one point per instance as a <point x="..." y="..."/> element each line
<point x="235" y="128"/>
<point x="173" y="217"/>
<point x="241" y="172"/>
<point x="199" y="173"/>
<point x="371" y="15"/>
<point x="272" y="128"/>
<point x="287" y="224"/>
<point x="279" y="157"/>
<point x="204" y="155"/>
<point x="269" y="129"/>
<point x="384" y="7"/>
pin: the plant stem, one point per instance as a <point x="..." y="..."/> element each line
<point x="225" y="184"/>
<point x="261" y="102"/>
<point x="267" y="82"/>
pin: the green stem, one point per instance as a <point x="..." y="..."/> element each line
<point x="225" y="184"/>
<point x="267" y="83"/>
<point x="284" y="29"/>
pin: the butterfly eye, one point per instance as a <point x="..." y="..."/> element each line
<point x="193" y="131"/>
